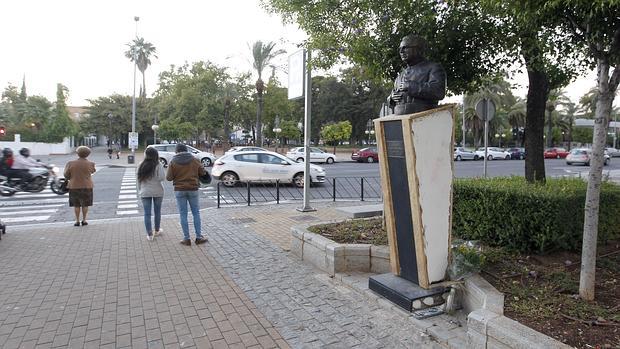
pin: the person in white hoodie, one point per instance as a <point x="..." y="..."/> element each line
<point x="150" y="176"/>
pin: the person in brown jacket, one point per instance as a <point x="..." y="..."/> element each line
<point x="184" y="171"/>
<point x="79" y="173"/>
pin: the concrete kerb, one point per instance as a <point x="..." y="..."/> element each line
<point x="481" y="324"/>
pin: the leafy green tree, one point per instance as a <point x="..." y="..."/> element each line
<point x="336" y="133"/>
<point x="140" y="52"/>
<point x="60" y="125"/>
<point x="193" y="93"/>
<point x="262" y="54"/>
<point x="568" y="113"/>
<point x="594" y="25"/>
<point x="111" y="116"/>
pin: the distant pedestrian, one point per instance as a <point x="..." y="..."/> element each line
<point x="79" y="174"/>
<point x="150" y="175"/>
<point x="184" y="171"/>
<point x="110" y="151"/>
<point x="117" y="149"/>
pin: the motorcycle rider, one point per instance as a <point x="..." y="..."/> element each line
<point x="23" y="163"/>
<point x="7" y="163"/>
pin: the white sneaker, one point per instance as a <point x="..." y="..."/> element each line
<point x="157" y="232"/>
<point x="149" y="237"/>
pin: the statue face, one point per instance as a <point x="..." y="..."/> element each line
<point x="409" y="53"/>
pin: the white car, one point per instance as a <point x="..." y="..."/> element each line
<point x="263" y="166"/>
<point x="167" y="151"/>
<point x="316" y="155"/>
<point x="244" y="148"/>
<point x="613" y="152"/>
<point x="493" y="154"/>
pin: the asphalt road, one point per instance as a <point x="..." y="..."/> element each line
<point x="115" y="188"/>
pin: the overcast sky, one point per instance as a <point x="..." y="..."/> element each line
<point x="81" y="44"/>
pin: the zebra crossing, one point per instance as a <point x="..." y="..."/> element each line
<point x="31" y="207"/>
<point x="128" y="195"/>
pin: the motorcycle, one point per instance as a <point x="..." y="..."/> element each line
<point x="40" y="177"/>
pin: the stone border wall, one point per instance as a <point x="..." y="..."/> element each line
<point x="486" y="325"/>
<point x="332" y="257"/>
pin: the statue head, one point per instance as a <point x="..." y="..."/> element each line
<point x="412" y="49"/>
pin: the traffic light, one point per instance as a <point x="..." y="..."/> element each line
<point x="2" y="131"/>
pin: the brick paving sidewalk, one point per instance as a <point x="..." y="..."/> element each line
<point x="105" y="285"/>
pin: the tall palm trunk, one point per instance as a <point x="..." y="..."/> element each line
<point x="260" y="86"/>
<point x="143" y="85"/>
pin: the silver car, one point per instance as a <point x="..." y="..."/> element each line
<point x="167" y="151"/>
<point x="461" y="153"/>
<point x="582" y="156"/>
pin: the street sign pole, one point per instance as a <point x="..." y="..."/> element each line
<point x="485" y="109"/>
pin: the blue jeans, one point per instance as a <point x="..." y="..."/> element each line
<point x="183" y="197"/>
<point x="156" y="203"/>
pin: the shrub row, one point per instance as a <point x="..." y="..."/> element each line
<point x="509" y="212"/>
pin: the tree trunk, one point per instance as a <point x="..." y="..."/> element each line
<point x="259" y="125"/>
<point x="590" y="224"/>
<point x="143" y="85"/>
<point x="537" y="95"/>
<point x="226" y="124"/>
<point x="550" y="129"/>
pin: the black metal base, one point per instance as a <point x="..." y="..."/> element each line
<point x="404" y="293"/>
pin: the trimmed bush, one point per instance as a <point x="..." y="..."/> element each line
<point x="509" y="212"/>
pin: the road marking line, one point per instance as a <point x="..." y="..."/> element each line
<point x="127" y="197"/>
<point x="25" y="219"/>
<point x="26" y="212"/>
<point x="33" y="195"/>
<point x="20" y="207"/>
<point x="127" y="212"/>
<point x="21" y="201"/>
<point x="128" y="191"/>
<point x="127" y="201"/>
<point x="128" y="206"/>
<point x="44" y="191"/>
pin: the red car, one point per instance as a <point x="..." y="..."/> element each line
<point x="556" y="153"/>
<point x="365" y="155"/>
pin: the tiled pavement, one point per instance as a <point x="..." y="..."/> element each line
<point x="105" y="285"/>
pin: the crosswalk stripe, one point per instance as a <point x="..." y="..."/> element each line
<point x="26" y="212"/>
<point x="44" y="191"/>
<point x="127" y="212"/>
<point x="25" y="219"/>
<point x="42" y="201"/>
<point x="128" y="206"/>
<point x="36" y="196"/>
<point x="128" y="191"/>
<point x="127" y="196"/>
<point x="20" y="207"/>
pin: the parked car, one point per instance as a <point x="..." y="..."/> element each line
<point x="583" y="156"/>
<point x="263" y="166"/>
<point x="316" y="155"/>
<point x="613" y="152"/>
<point x="167" y="151"/>
<point x="245" y="148"/>
<point x="461" y="153"/>
<point x="555" y="153"/>
<point x="365" y="155"/>
<point x="493" y="154"/>
<point x="516" y="153"/>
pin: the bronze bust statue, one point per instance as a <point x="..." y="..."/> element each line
<point x="421" y="84"/>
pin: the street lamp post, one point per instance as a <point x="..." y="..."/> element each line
<point x="133" y="100"/>
<point x="277" y="130"/>
<point x="110" y="116"/>
<point x="369" y="131"/>
<point x="155" y="127"/>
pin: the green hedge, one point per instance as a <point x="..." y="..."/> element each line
<point x="509" y="212"/>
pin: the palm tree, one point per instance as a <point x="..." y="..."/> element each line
<point x="588" y="103"/>
<point x="516" y="117"/>
<point x="140" y="52"/>
<point x="567" y="115"/>
<point x="262" y="53"/>
<point x="556" y="97"/>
